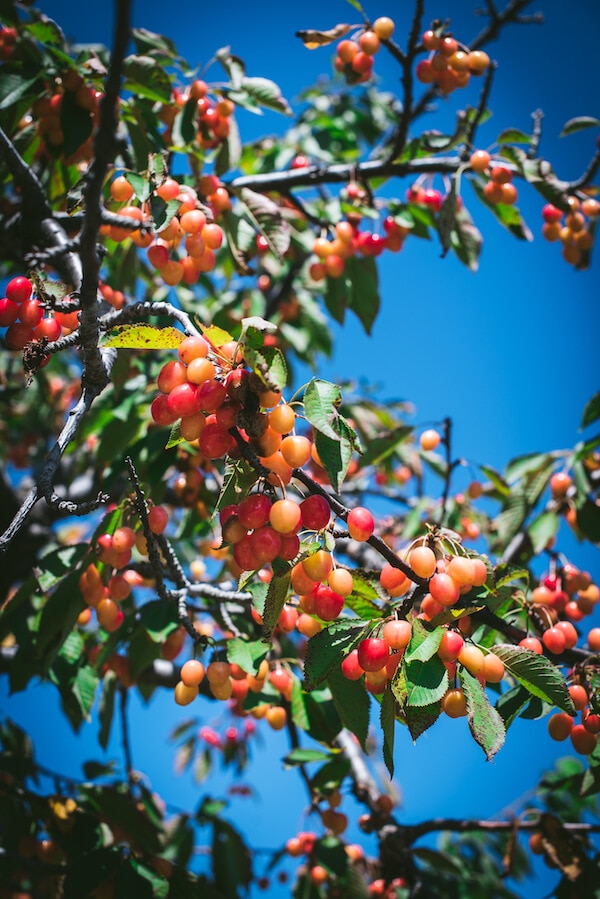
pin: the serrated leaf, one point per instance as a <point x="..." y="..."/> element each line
<point x="466" y="240"/>
<point x="542" y="530"/>
<point x="485" y="722"/>
<point x="578" y="124"/>
<point x="424" y="642"/>
<point x="336" y="455"/>
<point x="352" y="704"/>
<point x="55" y="565"/>
<point x="321" y="402"/>
<point x="266" y="93"/>
<point x="248" y="654"/>
<point x="497" y="480"/>
<point x="233" y="65"/>
<point x="277" y="593"/>
<point x="426" y="682"/>
<point x="420" y="719"/>
<point x="230" y="151"/>
<point x="313" y="39"/>
<point x="269" y="364"/>
<point x="591" y="413"/>
<point x="537" y="674"/>
<point x="144" y="78"/>
<point x="144" y="337"/>
<point x="265" y="214"/>
<point x="217" y="336"/>
<point x="326" y="650"/>
<point x="387" y="719"/>
<point x="588" y="520"/>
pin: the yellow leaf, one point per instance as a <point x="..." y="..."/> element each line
<point x="144" y="337"/>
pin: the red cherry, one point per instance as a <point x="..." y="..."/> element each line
<point x="19" y="289"/>
<point x="361" y="524"/>
<point x="328" y="603"/>
<point x="373" y="653"/>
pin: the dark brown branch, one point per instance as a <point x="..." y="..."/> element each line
<point x="407" y="82"/>
<point x="123" y="694"/>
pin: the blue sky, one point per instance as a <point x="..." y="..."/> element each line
<point x="510" y="353"/>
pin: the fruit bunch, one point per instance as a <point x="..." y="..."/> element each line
<point x="355" y="58"/>
<point x="499" y="188"/>
<point x="350" y="241"/>
<point x="69" y="97"/>
<point x="23" y="315"/>
<point x="185" y="244"/>
<point x="450" y="64"/>
<point x="572" y="229"/>
<point x="213" y="113"/>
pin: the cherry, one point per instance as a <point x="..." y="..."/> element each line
<point x="19" y="289"/>
<point x="444" y="589"/>
<point x="318" y="566"/>
<point x="454" y="704"/>
<point x="554" y="640"/>
<point x="373" y="653"/>
<point x="493" y="668"/>
<point x="265" y="544"/>
<point x="9" y="311"/>
<point x="579" y="695"/>
<point x="315" y="511"/>
<point x="394" y="581"/>
<point x="192" y="673"/>
<point x="560" y="483"/>
<point x="472" y="658"/>
<point x="461" y="570"/>
<point x="328" y="603"/>
<point x="361" y="524"/>
<point x="158" y="518"/>
<point x="583" y="741"/>
<point x="429" y="440"/>
<point x="560" y="726"/>
<point x="450" y="646"/>
<point x="285" y="516"/>
<point x="384" y="27"/>
<point x="341" y="581"/>
<point x="397" y="633"/>
<point x="351" y="667"/>
<point x="532" y="644"/>
<point x="422" y="560"/>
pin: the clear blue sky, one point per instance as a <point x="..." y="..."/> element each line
<point x="511" y="353"/>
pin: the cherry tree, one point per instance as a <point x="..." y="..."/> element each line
<point x="297" y="556"/>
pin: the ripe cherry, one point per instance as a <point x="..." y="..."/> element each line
<point x="373" y="653"/>
<point x="361" y="524"/>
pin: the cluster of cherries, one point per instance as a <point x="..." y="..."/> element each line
<point x="350" y="241"/>
<point x="213" y="114"/>
<point x="185" y="247"/>
<point x="499" y="188"/>
<point x="104" y="589"/>
<point x="24" y="316"/>
<point x="450" y="64"/>
<point x="46" y="112"/>
<point x="8" y="42"/>
<point x="355" y="58"/>
<point x="571" y="230"/>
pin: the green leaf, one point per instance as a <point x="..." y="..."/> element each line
<point x="269" y="364"/>
<point x="15" y="85"/>
<point x="144" y="78"/>
<point x="513" y="136"/>
<point x="578" y="124"/>
<point x="419" y="719"/>
<point x="107" y="707"/>
<point x="159" y="619"/>
<point x="185" y="126"/>
<point x="327" y="649"/>
<point x="387" y="719"/>
<point x="265" y="214"/>
<point x="120" y="808"/>
<point x="542" y="530"/>
<point x="301" y="756"/>
<point x="511" y="703"/>
<point x="591" y="413"/>
<point x="363" y="298"/>
<point x="336" y="455"/>
<point x="424" y="642"/>
<point x="248" y="654"/>
<point x="356" y="6"/>
<point x="147" y="40"/>
<point x="466" y="240"/>
<point x="266" y="93"/>
<point x="537" y="674"/>
<point x="588" y="520"/>
<point x="277" y="593"/>
<point x="230" y="151"/>
<point x="231" y="861"/>
<point x="426" y="682"/>
<point x="352" y="704"/>
<point x="55" y="565"/>
<point x="485" y="722"/>
<point x="76" y="124"/>
<point x="84" y="689"/>
<point x="321" y="402"/>
<point x="144" y="337"/>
